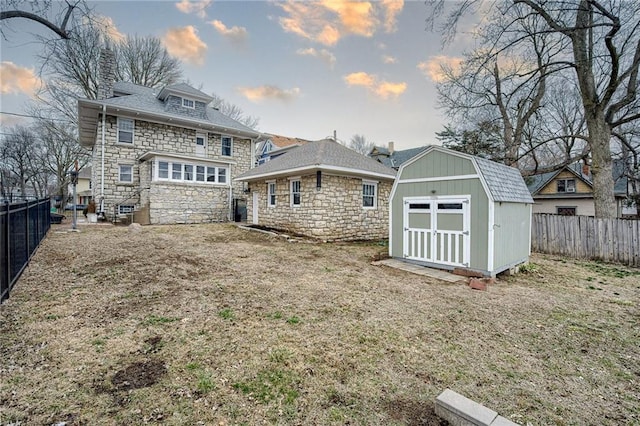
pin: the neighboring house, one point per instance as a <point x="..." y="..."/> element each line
<point x="453" y="210"/>
<point x="83" y="187"/>
<point x="272" y="146"/>
<point x="323" y="190"/>
<point x="569" y="190"/>
<point x="164" y="154"/>
<point x="392" y="158"/>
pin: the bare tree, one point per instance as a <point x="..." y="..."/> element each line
<point x="234" y="111"/>
<point x="605" y="59"/>
<point x="144" y="61"/>
<point x="19" y="164"/>
<point x="12" y="9"/>
<point x="359" y="143"/>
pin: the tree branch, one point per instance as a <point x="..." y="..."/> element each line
<point x="61" y="30"/>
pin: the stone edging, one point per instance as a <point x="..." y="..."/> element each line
<point x="461" y="411"/>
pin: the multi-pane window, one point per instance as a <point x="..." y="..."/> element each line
<point x="176" y="171"/>
<point x="163" y="170"/>
<point x="369" y="194"/>
<point x="125" y="173"/>
<point x="566" y="185"/>
<point x="295" y="192"/>
<point x="125" y="209"/>
<point x="188" y="103"/>
<point x="167" y="170"/>
<point x="125" y="130"/>
<point x="200" y="139"/>
<point x="227" y="145"/>
<point x="566" y="211"/>
<point x="271" y="189"/>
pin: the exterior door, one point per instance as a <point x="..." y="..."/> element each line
<point x="254" y="208"/>
<point x="436" y="229"/>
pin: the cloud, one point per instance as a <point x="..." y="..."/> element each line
<point x="236" y="35"/>
<point x="323" y="54"/>
<point x="436" y="67"/>
<point x="392" y="9"/>
<point x="387" y="59"/>
<point x="382" y="89"/>
<point x="17" y="79"/>
<point x="328" y="21"/>
<point x="257" y="94"/>
<point x="106" y="24"/>
<point x="185" y="44"/>
<point x="196" y="7"/>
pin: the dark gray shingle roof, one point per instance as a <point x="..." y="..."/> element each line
<point x="397" y="158"/>
<point x="324" y="154"/>
<point x="505" y="183"/>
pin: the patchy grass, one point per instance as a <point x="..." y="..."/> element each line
<point x="207" y="323"/>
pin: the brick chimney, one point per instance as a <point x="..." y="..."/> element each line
<point x="390" y="148"/>
<point x="586" y="169"/>
<point x="107" y="73"/>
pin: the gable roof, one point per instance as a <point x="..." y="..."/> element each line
<point x="504" y="183"/>
<point x="143" y="104"/>
<point x="396" y="158"/>
<point x="277" y="142"/>
<point x="324" y="155"/>
<point x="536" y="183"/>
<point x="183" y="89"/>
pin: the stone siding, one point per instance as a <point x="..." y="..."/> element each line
<point x="333" y="212"/>
<point x="161" y="138"/>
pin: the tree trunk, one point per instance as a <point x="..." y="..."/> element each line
<point x="601" y="165"/>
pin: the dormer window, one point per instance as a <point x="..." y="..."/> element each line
<point x="566" y="185"/>
<point x="188" y="103"/>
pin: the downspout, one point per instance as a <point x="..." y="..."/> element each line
<point x="104" y="123"/>
<point x="230" y="211"/>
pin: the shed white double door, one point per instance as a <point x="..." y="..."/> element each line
<point x="436" y="229"/>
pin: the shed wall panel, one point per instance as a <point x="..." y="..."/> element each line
<point x="512" y="232"/>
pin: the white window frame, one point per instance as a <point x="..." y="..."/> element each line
<point x="120" y="166"/>
<point x="187" y="101"/>
<point x="222" y="138"/>
<point x="132" y="131"/>
<point x="197" y="170"/>
<point x="566" y="185"/>
<point x="202" y="136"/>
<point x="292" y="193"/>
<point x="373" y="184"/>
<point x="271" y="193"/>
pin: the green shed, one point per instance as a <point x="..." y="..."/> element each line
<point x="453" y="210"/>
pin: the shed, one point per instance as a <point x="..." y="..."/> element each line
<point x="453" y="210"/>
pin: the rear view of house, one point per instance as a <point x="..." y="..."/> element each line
<point x="164" y="155"/>
<point x="453" y="210"/>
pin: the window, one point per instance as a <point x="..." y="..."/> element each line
<point x="227" y="143"/>
<point x="566" y="185"/>
<point x="566" y="211"/>
<point x="369" y="194"/>
<point x="188" y="103"/>
<point x="271" y="190"/>
<point x="124" y="209"/>
<point x="176" y="171"/>
<point x="125" y="174"/>
<point x="419" y="206"/>
<point x="163" y="170"/>
<point x="188" y="172"/>
<point x="295" y="192"/>
<point x="222" y="175"/>
<point x="200" y="139"/>
<point x="449" y="206"/>
<point x="125" y="130"/>
<point x="199" y="173"/>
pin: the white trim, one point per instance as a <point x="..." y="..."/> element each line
<point x="439" y="178"/>
<point x="133" y="131"/>
<point x="321" y="167"/>
<point x="230" y="147"/>
<point x="291" y="198"/>
<point x="194" y="172"/>
<point x="183" y="99"/>
<point x="150" y="155"/>
<point x="120" y="166"/>
<point x="530" y="225"/>
<point x="375" y="194"/>
<point x="294" y="178"/>
<point x="269" y="194"/>
<point x="491" y="236"/>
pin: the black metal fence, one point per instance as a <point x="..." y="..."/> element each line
<point x="22" y="226"/>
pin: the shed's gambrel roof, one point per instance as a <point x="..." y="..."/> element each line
<point x="320" y="155"/>
<point x="504" y="183"/>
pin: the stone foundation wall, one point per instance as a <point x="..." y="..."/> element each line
<point x="332" y="212"/>
<point x="176" y="203"/>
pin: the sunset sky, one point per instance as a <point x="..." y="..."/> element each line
<point x="304" y="68"/>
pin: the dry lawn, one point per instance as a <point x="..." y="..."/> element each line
<point x="209" y="324"/>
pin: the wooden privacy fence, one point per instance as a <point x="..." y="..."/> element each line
<point x="610" y="240"/>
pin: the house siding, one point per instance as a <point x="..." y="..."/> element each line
<point x="552" y="187"/>
<point x="169" y="202"/>
<point x="333" y="212"/>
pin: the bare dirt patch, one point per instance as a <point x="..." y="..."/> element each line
<point x="208" y="323"/>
